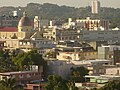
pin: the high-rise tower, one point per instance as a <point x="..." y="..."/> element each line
<point x="95" y="7"/>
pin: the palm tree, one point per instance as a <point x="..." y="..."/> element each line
<point x="10" y="84"/>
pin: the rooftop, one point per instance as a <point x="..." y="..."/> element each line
<point x="18" y="72"/>
<point x="89" y="61"/>
<point x="8" y="29"/>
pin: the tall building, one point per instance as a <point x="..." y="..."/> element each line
<point x="95" y="7"/>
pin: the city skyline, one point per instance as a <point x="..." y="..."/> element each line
<point x="72" y="3"/>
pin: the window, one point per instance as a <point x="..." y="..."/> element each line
<point x="36" y="74"/>
<point x="53" y="33"/>
<point x="44" y="42"/>
<point x="115" y="37"/>
<point x="21" y="76"/>
<point x="89" y="54"/>
<point x="94" y="71"/>
<point x="100" y="37"/>
<point x="101" y="33"/>
<point x="114" y="32"/>
<point x="3" y="36"/>
<point x="66" y="38"/>
<point x="24" y="43"/>
<point x="28" y="76"/>
<point x="86" y="33"/>
<point x="20" y="43"/>
<point x="4" y="77"/>
<point x="28" y="43"/>
<point x="35" y="88"/>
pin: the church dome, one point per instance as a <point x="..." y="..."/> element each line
<point x="24" y="21"/>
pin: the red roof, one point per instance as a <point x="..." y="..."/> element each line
<point x="8" y="29"/>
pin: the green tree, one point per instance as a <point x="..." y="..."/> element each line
<point x="111" y="85"/>
<point x="6" y="63"/>
<point x="77" y="74"/>
<point x="24" y="60"/>
<point x="71" y="85"/>
<point x="55" y="82"/>
<point x="9" y="84"/>
<point x="1" y="53"/>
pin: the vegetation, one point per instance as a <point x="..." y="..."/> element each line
<point x="50" y="54"/>
<point x="55" y="82"/>
<point x="111" y="85"/>
<point x="10" y="84"/>
<point x="53" y="11"/>
<point x="77" y="74"/>
<point x="15" y="60"/>
<point x="25" y="60"/>
<point x="71" y="86"/>
<point x="6" y="63"/>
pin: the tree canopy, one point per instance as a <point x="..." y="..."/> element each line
<point x="10" y="84"/>
<point x="6" y="63"/>
<point x="24" y="60"/>
<point x="55" y="82"/>
<point x="111" y="85"/>
<point x="77" y="74"/>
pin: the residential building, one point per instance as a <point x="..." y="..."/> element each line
<point x="113" y="71"/>
<point x="76" y="53"/>
<point x="57" y="34"/>
<point x="94" y="24"/>
<point x="93" y="36"/>
<point x="102" y="79"/>
<point x="95" y="67"/>
<point x="22" y="76"/>
<point x="63" y="67"/>
<point x="74" y="50"/>
<point x="8" y="21"/>
<point x="103" y="52"/>
<point x="87" y="55"/>
<point x="110" y="52"/>
<point x="35" y="87"/>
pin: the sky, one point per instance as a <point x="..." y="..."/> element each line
<point x="72" y="3"/>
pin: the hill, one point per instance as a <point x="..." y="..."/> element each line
<point x="53" y="11"/>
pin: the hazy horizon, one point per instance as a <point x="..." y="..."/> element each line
<point x="72" y="3"/>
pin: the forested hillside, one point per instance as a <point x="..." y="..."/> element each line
<point x="53" y="11"/>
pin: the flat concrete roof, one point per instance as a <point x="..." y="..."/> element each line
<point x="18" y="72"/>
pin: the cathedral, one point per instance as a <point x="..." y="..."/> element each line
<point x="23" y="37"/>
